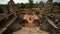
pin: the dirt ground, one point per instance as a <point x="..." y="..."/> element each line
<point x="30" y="30"/>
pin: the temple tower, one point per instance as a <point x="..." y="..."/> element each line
<point x="50" y="0"/>
<point x="41" y="4"/>
<point x="12" y="7"/>
<point x="49" y="5"/>
<point x="11" y="4"/>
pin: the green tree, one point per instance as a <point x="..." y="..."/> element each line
<point x="22" y="5"/>
<point x="30" y="3"/>
<point x="56" y="3"/>
<point x="1" y="10"/>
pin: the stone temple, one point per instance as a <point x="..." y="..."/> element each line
<point x="40" y="20"/>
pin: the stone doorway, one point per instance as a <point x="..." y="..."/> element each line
<point x="32" y="20"/>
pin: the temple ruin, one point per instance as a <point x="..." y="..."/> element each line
<point x="15" y="18"/>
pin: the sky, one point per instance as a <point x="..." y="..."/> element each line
<point x="24" y="1"/>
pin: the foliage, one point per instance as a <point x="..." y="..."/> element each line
<point x="27" y="5"/>
<point x="56" y="3"/>
<point x="30" y="3"/>
<point x="1" y="9"/>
